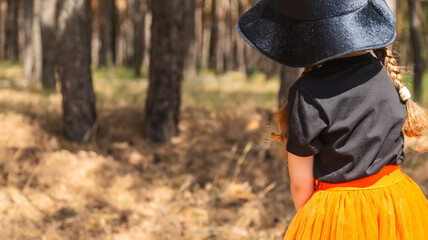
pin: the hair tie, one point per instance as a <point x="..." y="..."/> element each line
<point x="405" y="94"/>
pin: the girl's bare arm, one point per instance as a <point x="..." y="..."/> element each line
<point x="301" y="178"/>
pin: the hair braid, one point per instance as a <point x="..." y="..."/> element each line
<point x="416" y="120"/>
<point x="282" y="115"/>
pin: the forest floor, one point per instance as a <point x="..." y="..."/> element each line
<point x="221" y="178"/>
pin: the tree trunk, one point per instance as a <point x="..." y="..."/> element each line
<point x="106" y="53"/>
<point x="288" y="77"/>
<point x="96" y="35"/>
<point x="248" y="58"/>
<point x="167" y="56"/>
<point x="269" y="67"/>
<point x="190" y="35"/>
<point x="415" y="35"/>
<point x="392" y="4"/>
<point x="213" y="50"/>
<point x="138" y="15"/>
<point x="228" y="53"/>
<point x="123" y="31"/>
<point x="36" y="45"/>
<point x="237" y="49"/>
<point x="425" y="30"/>
<point x="29" y="58"/>
<point x="74" y="45"/>
<point x="12" y="44"/>
<point x="199" y="34"/>
<point x="47" y="30"/>
<point x="3" y="8"/>
<point x="147" y="33"/>
<point x="206" y="33"/>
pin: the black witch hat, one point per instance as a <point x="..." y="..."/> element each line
<point x="301" y="33"/>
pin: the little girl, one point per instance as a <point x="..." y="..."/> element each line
<point x="344" y="122"/>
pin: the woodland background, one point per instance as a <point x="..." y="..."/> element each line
<point x="137" y="119"/>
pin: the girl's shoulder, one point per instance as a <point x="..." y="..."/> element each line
<point x="339" y="76"/>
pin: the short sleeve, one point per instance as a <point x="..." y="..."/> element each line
<point x="305" y="123"/>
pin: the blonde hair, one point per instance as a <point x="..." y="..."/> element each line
<point x="416" y="119"/>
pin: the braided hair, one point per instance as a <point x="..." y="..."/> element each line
<point x="416" y="120"/>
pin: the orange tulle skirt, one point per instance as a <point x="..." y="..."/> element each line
<point x="387" y="206"/>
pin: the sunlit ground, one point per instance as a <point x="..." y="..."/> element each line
<point x="221" y="178"/>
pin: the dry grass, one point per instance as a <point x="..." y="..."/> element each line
<point x="220" y="179"/>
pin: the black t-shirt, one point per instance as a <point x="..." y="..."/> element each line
<point x="349" y="115"/>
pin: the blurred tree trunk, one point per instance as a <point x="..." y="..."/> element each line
<point x="206" y="34"/>
<point x="216" y="53"/>
<point x="147" y="33"/>
<point x="213" y="37"/>
<point x="228" y="54"/>
<point x="47" y="29"/>
<point x="3" y="8"/>
<point x="392" y="4"/>
<point x="29" y="57"/>
<point x="199" y="34"/>
<point x="415" y="36"/>
<point x="288" y="77"/>
<point x="129" y="33"/>
<point x="167" y="55"/>
<point x="34" y="72"/>
<point x="124" y="34"/>
<point x="190" y="35"/>
<point x="252" y="59"/>
<point x="121" y="25"/>
<point x="238" y="60"/>
<point x="12" y="44"/>
<point x="138" y="15"/>
<point x="231" y="36"/>
<point x="269" y="67"/>
<point x="74" y="47"/>
<point x="96" y="35"/>
<point x="241" y="45"/>
<point x="425" y="27"/>
<point x="106" y="52"/>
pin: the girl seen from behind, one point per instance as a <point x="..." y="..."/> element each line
<point x="345" y="120"/>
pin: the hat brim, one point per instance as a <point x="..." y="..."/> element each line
<point x="298" y="43"/>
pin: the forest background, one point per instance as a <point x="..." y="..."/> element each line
<point x="138" y="119"/>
